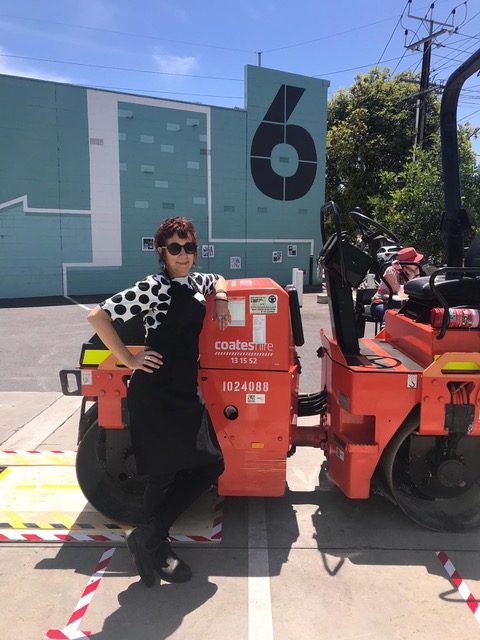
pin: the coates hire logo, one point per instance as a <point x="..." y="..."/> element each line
<point x="237" y="347"/>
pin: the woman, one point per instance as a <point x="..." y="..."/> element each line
<point x="396" y="275"/>
<point x="173" y="440"/>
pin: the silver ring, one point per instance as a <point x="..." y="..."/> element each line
<point x="147" y="358"/>
<point x="222" y="317"/>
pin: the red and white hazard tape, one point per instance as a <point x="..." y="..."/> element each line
<point x="217" y="525"/>
<point x="71" y="631"/>
<point x="458" y="581"/>
<point x="54" y="536"/>
<point x="218" y="519"/>
<point x="22" y="452"/>
<point x="67" y="535"/>
<point x="36" y="457"/>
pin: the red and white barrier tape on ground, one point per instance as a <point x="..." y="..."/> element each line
<point x="217" y="525"/>
<point x="218" y="519"/>
<point x="97" y="535"/>
<point x="55" y="536"/>
<point x="71" y="631"/>
<point x="36" y="457"/>
<point x="458" y="581"/>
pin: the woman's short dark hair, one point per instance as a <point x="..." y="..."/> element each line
<point x="182" y="226"/>
<point x="179" y="225"/>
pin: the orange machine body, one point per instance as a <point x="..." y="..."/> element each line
<point x="249" y="379"/>
<point x="369" y="396"/>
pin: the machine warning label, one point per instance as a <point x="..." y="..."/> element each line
<point x="264" y="304"/>
<point x="259" y="329"/>
<point x="340" y="454"/>
<point x="412" y="381"/>
<point x="255" y="398"/>
<point x="86" y="377"/>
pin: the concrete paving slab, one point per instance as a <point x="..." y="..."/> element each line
<point x="64" y="436"/>
<point x="46" y="503"/>
<point x="18" y="408"/>
<point x="336" y="598"/>
<point x="33" y="417"/>
<point x="212" y="605"/>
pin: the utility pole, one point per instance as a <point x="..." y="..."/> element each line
<point x="441" y="28"/>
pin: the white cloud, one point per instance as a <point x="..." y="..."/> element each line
<point x="16" y="67"/>
<point x="175" y="64"/>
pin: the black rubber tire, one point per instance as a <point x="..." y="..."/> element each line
<point x="118" y="500"/>
<point x="460" y="513"/>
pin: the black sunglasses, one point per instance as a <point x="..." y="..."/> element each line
<point x="174" y="248"/>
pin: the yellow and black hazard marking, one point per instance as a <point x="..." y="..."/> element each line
<point x="47" y="498"/>
<point x="44" y="503"/>
<point x="36" y="458"/>
<point x="91" y="357"/>
<point x="54" y="521"/>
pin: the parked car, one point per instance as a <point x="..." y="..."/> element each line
<point x="387" y="253"/>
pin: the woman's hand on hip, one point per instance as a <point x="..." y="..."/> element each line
<point x="147" y="360"/>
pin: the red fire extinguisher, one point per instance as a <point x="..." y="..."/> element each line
<point x="457" y="318"/>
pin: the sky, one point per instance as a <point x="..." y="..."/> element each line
<point x="196" y="50"/>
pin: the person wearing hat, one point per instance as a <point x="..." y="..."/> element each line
<point x="396" y="275"/>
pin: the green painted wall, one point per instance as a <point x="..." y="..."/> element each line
<point x="86" y="176"/>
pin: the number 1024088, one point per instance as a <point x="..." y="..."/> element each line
<point x="250" y="386"/>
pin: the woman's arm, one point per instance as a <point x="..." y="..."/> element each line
<point x="411" y="271"/>
<point x="221" y="312"/>
<point x="392" y="280"/>
<point x="102" y="325"/>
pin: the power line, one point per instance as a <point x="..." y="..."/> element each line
<point x="434" y="30"/>
<point x="392" y="34"/>
<point x="110" y="68"/>
<point x="126" y="33"/>
<point x="333" y="35"/>
<point x="356" y="68"/>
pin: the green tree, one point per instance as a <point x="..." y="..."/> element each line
<point x="370" y="163"/>
<point x="411" y="202"/>
<point x="371" y="129"/>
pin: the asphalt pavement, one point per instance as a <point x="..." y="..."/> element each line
<point x="311" y="564"/>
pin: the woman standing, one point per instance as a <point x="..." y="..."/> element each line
<point x="173" y="440"/>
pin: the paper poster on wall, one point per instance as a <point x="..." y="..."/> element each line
<point x="292" y="250"/>
<point x="208" y="251"/>
<point x="235" y="262"/>
<point x="148" y="244"/>
<point x="276" y="256"/>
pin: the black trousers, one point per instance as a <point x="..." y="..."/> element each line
<point x="168" y="495"/>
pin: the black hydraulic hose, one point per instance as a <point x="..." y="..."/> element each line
<point x="455" y="219"/>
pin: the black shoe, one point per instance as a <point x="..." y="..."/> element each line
<point x="142" y="543"/>
<point x="169" y="565"/>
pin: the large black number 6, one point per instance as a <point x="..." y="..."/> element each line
<point x="274" y="130"/>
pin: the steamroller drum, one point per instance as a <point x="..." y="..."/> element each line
<point x="435" y="480"/>
<point x="106" y="473"/>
